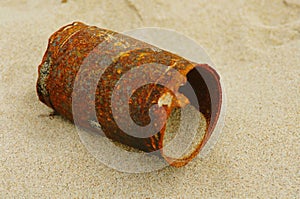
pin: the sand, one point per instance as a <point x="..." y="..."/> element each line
<point x="255" y="46"/>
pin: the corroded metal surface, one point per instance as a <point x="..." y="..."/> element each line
<point x="102" y="57"/>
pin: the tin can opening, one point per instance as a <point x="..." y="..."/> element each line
<point x="197" y="120"/>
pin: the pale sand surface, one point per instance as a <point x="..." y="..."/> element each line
<point x="254" y="44"/>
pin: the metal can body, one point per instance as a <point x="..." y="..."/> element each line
<point x="87" y="63"/>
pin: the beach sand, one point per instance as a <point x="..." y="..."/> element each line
<point x="255" y="46"/>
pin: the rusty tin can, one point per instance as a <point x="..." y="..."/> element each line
<point x="80" y="56"/>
